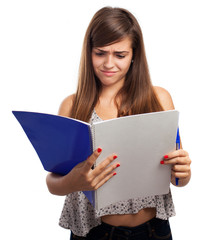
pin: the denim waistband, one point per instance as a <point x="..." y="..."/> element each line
<point x="146" y="228"/>
<point x="130" y="230"/>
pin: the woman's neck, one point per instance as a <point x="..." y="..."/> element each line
<point x="110" y="92"/>
<point x="106" y="107"/>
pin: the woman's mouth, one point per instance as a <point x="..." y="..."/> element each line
<point x="108" y="73"/>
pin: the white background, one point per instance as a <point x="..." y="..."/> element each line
<point x="40" y="46"/>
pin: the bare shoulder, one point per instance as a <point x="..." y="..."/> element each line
<point x="66" y="106"/>
<point x="164" y="98"/>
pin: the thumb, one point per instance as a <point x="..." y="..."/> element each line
<point x="92" y="159"/>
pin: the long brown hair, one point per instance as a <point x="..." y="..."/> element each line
<point x="110" y="25"/>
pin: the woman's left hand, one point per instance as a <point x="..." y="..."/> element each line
<point x="181" y="169"/>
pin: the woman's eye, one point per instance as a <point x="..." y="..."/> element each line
<point x="120" y="56"/>
<point x="99" y="54"/>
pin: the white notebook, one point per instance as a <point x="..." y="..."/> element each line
<point x="140" y="142"/>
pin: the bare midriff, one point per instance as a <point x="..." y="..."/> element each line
<point x="130" y="220"/>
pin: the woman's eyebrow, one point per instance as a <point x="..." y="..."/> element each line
<point x="117" y="52"/>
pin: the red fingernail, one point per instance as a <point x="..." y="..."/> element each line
<point x="162" y="162"/>
<point x="114" y="157"/>
<point x="166" y="156"/>
<point x="114" y="173"/>
<point x="118" y="165"/>
<point x="99" y="150"/>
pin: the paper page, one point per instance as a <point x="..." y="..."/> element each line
<point x="140" y="142"/>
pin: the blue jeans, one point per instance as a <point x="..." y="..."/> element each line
<point x="152" y="230"/>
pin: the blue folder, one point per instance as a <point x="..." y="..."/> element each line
<point x="60" y="142"/>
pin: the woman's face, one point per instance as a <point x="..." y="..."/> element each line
<point x="111" y="63"/>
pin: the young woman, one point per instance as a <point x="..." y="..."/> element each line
<point x="114" y="81"/>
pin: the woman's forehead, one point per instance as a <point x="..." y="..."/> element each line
<point x="123" y="45"/>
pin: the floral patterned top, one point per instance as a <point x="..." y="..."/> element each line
<point x="80" y="217"/>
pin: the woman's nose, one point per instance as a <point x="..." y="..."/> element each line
<point x="109" y="62"/>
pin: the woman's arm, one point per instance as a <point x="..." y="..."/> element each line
<point x="179" y="159"/>
<point x="56" y="184"/>
<point x="82" y="177"/>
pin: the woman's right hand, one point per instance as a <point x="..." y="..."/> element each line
<point x="82" y="177"/>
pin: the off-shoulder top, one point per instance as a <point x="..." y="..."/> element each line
<point x="80" y="217"/>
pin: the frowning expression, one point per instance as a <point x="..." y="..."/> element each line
<point x="111" y="63"/>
